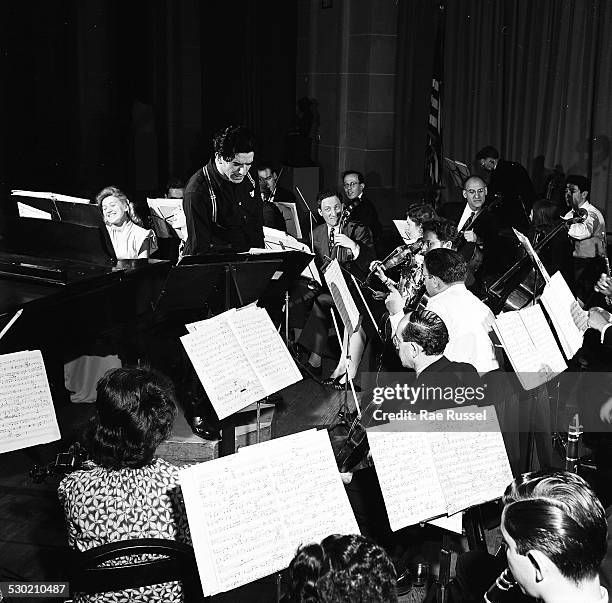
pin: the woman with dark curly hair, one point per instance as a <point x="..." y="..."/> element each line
<point x="342" y="569"/>
<point x="127" y="492"/>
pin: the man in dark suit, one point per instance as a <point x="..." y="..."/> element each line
<point x="363" y="210"/>
<point x="512" y="183"/>
<point x="349" y="243"/>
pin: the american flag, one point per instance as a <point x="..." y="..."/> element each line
<point x="433" y="162"/>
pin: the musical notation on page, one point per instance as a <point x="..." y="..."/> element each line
<point x="27" y="415"/>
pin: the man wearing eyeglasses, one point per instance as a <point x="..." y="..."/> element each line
<point x="480" y="229"/>
<point x="362" y="209"/>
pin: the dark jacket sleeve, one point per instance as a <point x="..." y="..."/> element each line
<point x="198" y="216"/>
<point x="362" y="235"/>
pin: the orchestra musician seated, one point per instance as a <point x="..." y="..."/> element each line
<point x="130" y="240"/>
<point x="125" y="492"/>
<point x="554" y="529"/>
<point x="342" y="569"/>
<point x="351" y="244"/>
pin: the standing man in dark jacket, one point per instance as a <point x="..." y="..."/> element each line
<point x="222" y="201"/>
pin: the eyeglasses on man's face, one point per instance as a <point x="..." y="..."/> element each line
<point x="351" y="184"/>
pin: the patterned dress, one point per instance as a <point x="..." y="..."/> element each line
<point x="104" y="505"/>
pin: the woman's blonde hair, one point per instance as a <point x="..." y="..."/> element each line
<point x="113" y="191"/>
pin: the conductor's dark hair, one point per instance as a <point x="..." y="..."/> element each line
<point x="358" y="174"/>
<point x="325" y="194"/>
<point x="445" y="230"/>
<point x="428" y="330"/>
<point x="486" y="152"/>
<point x="447" y="264"/>
<point x="582" y="182"/>
<point x="558" y="514"/>
<point x="344" y="569"/>
<point x="135" y="410"/>
<point x="233" y="140"/>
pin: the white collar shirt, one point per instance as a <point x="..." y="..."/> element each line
<point x="469" y="322"/>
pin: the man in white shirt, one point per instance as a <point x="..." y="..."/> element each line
<point x="554" y="529"/>
<point x="467" y="319"/>
<point x="589" y="236"/>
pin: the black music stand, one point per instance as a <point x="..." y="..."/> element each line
<point x="223" y="281"/>
<point x="85" y="214"/>
<point x="51" y="239"/>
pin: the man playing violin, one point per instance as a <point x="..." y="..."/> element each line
<point x="351" y="244"/>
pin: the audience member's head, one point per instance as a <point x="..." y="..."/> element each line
<point x="554" y="528"/>
<point x="342" y="569"/>
<point x="443" y="268"/>
<point x="419" y="333"/>
<point x="116" y="207"/>
<point x="135" y="410"/>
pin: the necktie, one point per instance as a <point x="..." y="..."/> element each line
<point x="468" y="222"/>
<point x="331" y="240"/>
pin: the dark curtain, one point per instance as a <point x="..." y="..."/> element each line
<point x="129" y="93"/>
<point x="415" y="52"/>
<point x="533" y="79"/>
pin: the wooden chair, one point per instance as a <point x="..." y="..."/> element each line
<point x="177" y="564"/>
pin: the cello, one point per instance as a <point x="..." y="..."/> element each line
<point x="519" y="285"/>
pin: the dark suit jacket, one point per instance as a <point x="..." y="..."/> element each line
<point x="365" y="213"/>
<point x="358" y="233"/>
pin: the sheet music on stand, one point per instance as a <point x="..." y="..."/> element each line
<point x="51" y="196"/>
<point x="167" y="215"/>
<point x="459" y="171"/>
<point x="530" y="346"/>
<point x="557" y="299"/>
<point x="27" y="415"/>
<point x="277" y="240"/>
<point x="349" y="313"/>
<point x="290" y="214"/>
<point x="294" y="478"/>
<point x="247" y="341"/>
<point x="532" y="254"/>
<point x="448" y="472"/>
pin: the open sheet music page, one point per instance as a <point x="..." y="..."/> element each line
<point x="279" y="240"/>
<point x="447" y="472"/>
<point x="27" y="416"/>
<point x="27" y="211"/>
<point x="309" y="484"/>
<point x="472" y="466"/>
<point x="342" y="296"/>
<point x="264" y="348"/>
<point x="165" y="208"/>
<point x="295" y="480"/>
<point x="530" y="345"/>
<point x="52" y="196"/>
<point x="402" y="228"/>
<point x="532" y="253"/>
<point x="453" y="523"/>
<point x="407" y="474"/>
<point x="557" y="299"/>
<point x="222" y="366"/>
